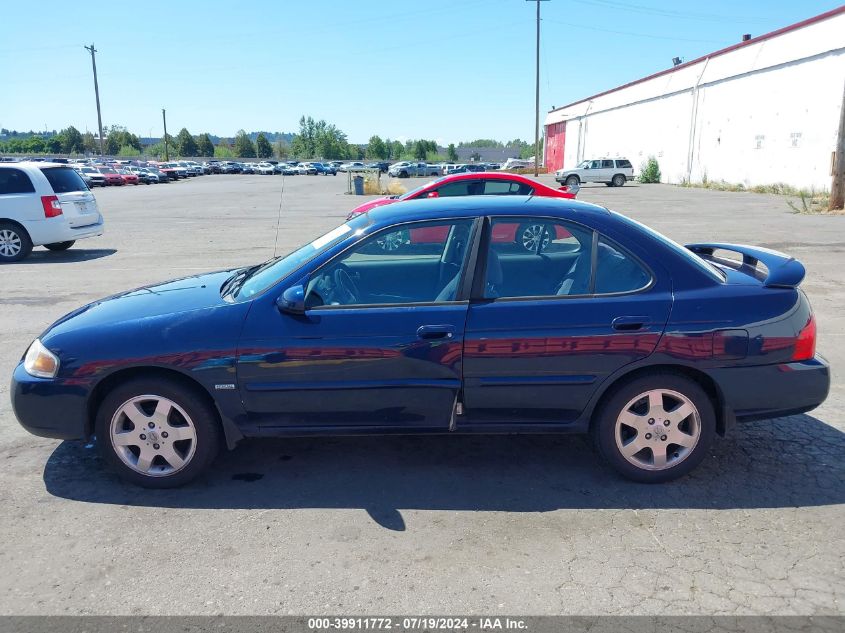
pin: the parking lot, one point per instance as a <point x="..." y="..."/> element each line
<point x="451" y="524"/>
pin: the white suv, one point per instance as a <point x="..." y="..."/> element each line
<point x="614" y="172"/>
<point x="44" y="204"/>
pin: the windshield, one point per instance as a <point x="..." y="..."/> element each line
<point x="413" y="192"/>
<point x="277" y="269"/>
<point x="583" y="164"/>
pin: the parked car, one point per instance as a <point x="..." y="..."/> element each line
<point x="517" y="163"/>
<point x="143" y="174"/>
<point x="613" y="330"/>
<point x="614" y="172"/>
<point x="247" y="168"/>
<point x="407" y="170"/>
<point x="354" y="165"/>
<point x="468" y="168"/>
<point x="211" y="167"/>
<point x="129" y="178"/>
<point x="174" y="171"/>
<point x="382" y="166"/>
<point x="305" y="169"/>
<point x="324" y="169"/>
<point x="113" y="178"/>
<point x="94" y="177"/>
<point x="265" y="169"/>
<point x="44" y="204"/>
<point x="484" y="184"/>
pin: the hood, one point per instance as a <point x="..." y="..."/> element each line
<point x="171" y="297"/>
<point x="372" y="204"/>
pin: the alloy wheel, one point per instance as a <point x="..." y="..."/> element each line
<point x="153" y="435"/>
<point x="531" y="235"/>
<point x="10" y="243"/>
<point x="657" y="429"/>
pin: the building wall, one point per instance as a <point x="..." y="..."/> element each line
<point x="766" y="112"/>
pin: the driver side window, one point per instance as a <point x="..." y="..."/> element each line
<point x="406" y="264"/>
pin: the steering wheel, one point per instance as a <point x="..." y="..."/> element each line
<point x="345" y="285"/>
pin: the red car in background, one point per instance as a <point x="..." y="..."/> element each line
<point x="112" y="177"/>
<point x="472" y="184"/>
<point x="128" y="177"/>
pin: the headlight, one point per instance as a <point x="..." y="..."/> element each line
<point x="40" y="362"/>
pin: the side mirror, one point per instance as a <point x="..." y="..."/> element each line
<point x="433" y="194"/>
<point x="292" y="300"/>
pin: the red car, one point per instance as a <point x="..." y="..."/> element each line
<point x="471" y="184"/>
<point x="128" y="177"/>
<point x="112" y="177"/>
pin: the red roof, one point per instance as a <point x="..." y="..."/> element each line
<point x="754" y="40"/>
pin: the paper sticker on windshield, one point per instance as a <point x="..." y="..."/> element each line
<point x="331" y="236"/>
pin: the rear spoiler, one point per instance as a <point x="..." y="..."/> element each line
<point x="783" y="271"/>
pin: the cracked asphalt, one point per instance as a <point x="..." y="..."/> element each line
<point x="415" y="525"/>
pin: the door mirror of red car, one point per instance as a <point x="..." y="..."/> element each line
<point x="432" y="194"/>
<point x="292" y="300"/>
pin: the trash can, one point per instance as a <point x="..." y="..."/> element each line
<point x="358" y="185"/>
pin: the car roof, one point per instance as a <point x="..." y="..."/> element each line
<point x="474" y="206"/>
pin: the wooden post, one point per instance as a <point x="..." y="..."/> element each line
<point x="837" y="186"/>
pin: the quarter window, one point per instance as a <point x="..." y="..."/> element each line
<point x="14" y="181"/>
<point x="617" y="271"/>
<point x="506" y="188"/>
<point x="414" y="263"/>
<point x="460" y="188"/>
<point x="623" y="164"/>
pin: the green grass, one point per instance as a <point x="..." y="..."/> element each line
<point x="805" y="201"/>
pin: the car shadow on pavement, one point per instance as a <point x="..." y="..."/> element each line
<point x="788" y="462"/>
<point x="68" y="256"/>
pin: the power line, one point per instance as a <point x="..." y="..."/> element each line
<point x="669" y="13"/>
<point x="633" y="34"/>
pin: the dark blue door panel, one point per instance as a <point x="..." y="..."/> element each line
<point x="377" y="366"/>
<point x="541" y="360"/>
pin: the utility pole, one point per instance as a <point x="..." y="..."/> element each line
<point x="537" y="97"/>
<point x="93" y="52"/>
<point x="164" y="118"/>
<point x="837" y="186"/>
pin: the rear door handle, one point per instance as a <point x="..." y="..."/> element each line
<point x="435" y="331"/>
<point x="629" y="323"/>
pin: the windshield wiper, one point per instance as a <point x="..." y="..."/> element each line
<point x="234" y="282"/>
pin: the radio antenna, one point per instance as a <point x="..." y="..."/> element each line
<point x="279" y="218"/>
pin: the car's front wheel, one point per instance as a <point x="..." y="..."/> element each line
<point x="572" y="181"/>
<point x="655" y="428"/>
<point x="14" y="242"/>
<point x="157" y="433"/>
<point x="60" y="246"/>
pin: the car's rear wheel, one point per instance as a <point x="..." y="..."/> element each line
<point x="655" y="428"/>
<point x="529" y="235"/>
<point x="60" y="246"/>
<point x="14" y="242"/>
<point x="157" y="433"/>
<point x="618" y="180"/>
<point x="572" y="181"/>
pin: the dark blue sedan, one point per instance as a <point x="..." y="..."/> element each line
<point x="602" y="326"/>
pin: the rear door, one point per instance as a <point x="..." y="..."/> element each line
<point x="607" y="170"/>
<point x="549" y="325"/>
<point x="78" y="204"/>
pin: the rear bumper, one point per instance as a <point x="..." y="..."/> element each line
<point x="49" y="408"/>
<point x="53" y="230"/>
<point x="772" y="391"/>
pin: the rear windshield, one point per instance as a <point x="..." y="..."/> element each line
<point x="64" y="179"/>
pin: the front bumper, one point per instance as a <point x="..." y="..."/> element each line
<point x="772" y="391"/>
<point x="49" y="407"/>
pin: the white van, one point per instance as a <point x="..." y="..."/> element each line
<point x="44" y="204"/>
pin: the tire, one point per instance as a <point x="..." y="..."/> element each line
<point x="527" y="236"/>
<point x="15" y="243"/>
<point x="572" y="181"/>
<point x="168" y="462"/>
<point x="622" y="424"/>
<point x="403" y="174"/>
<point x="618" y="180"/>
<point x="60" y="246"/>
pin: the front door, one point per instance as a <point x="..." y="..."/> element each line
<point x="379" y="345"/>
<point x="552" y="325"/>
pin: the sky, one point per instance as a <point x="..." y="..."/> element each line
<point x="448" y="70"/>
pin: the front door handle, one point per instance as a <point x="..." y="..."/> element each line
<point x="435" y="331"/>
<point x="629" y="323"/>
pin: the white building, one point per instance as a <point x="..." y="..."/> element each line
<point x="763" y="111"/>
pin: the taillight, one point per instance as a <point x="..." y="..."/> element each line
<point x="52" y="206"/>
<point x="805" y="344"/>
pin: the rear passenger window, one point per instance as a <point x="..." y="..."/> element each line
<point x="607" y="164"/>
<point x="505" y="188"/>
<point x="535" y="257"/>
<point x="14" y="181"/>
<point x="617" y="271"/>
<point x="64" y="179"/>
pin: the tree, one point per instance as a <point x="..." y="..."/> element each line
<point x="204" y="145"/>
<point x="263" y="147"/>
<point x="89" y="144"/>
<point x="185" y="143"/>
<point x="71" y="141"/>
<point x="243" y="147"/>
<point x="282" y="149"/>
<point x="451" y="153"/>
<point x="223" y="151"/>
<point x="376" y="148"/>
<point x="117" y="137"/>
<point x="53" y="145"/>
<point x="396" y="150"/>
